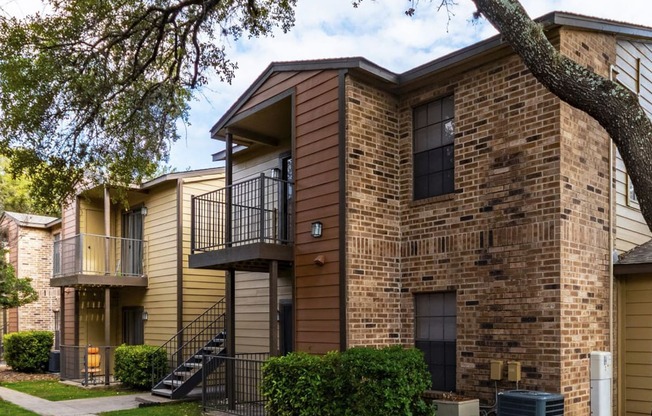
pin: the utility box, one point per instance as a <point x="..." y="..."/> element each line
<point x="496" y="370"/>
<point x="601" y="374"/>
<point x="514" y="371"/>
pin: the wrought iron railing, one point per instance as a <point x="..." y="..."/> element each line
<point x="191" y="339"/>
<point x="99" y="255"/>
<point x="87" y="365"/>
<point x="243" y="397"/>
<point x="260" y="212"/>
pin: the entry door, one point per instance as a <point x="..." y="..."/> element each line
<point x="286" y="327"/>
<point x="287" y="198"/>
<point x="133" y="330"/>
<point x="132" y="245"/>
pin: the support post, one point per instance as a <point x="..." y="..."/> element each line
<point x="273" y="308"/>
<point x="230" y="338"/>
<point x="107" y="332"/>
<point x="107" y="230"/>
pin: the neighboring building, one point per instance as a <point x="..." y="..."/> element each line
<point x="124" y="256"/>
<point x="463" y="208"/>
<point x="28" y="240"/>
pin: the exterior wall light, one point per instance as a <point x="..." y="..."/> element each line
<point x="145" y="316"/>
<point x="143" y="211"/>
<point x="316" y="229"/>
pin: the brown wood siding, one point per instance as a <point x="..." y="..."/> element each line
<point x="275" y="85"/>
<point x="317" y="199"/>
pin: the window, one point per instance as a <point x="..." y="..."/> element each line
<point x="436" y="335"/>
<point x="632" y="199"/>
<point x="433" y="147"/>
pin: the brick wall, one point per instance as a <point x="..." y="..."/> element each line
<point x="30" y="252"/>
<point x="584" y="238"/>
<point x="373" y="217"/>
<point x="35" y="249"/>
<point x="523" y="241"/>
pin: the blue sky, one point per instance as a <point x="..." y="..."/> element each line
<point x="377" y="30"/>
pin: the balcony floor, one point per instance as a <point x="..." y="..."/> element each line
<point x="251" y="257"/>
<point x="77" y="280"/>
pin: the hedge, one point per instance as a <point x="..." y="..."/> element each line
<point x="359" y="381"/>
<point x="134" y="363"/>
<point x="28" y="351"/>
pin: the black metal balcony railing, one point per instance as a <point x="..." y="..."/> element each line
<point x="260" y="213"/>
<point x="91" y="254"/>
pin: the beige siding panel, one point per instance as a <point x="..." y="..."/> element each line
<point x="160" y="233"/>
<point x="252" y="310"/>
<point x="201" y="288"/>
<point x="631" y="228"/>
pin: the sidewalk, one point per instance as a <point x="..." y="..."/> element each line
<point x="78" y="407"/>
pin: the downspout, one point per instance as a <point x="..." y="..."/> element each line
<point x="613" y="73"/>
<point x="180" y="259"/>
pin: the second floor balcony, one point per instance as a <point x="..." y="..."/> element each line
<point x="243" y="226"/>
<point x="98" y="260"/>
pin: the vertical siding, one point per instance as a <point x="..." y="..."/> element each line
<point x="631" y="229"/>
<point x="201" y="288"/>
<point x="317" y="306"/>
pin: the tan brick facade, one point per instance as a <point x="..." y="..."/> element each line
<point x="30" y="252"/>
<point x="523" y="241"/>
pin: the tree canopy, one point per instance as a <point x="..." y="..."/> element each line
<point x="92" y="91"/>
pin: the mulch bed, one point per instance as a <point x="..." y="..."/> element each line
<point x="7" y="375"/>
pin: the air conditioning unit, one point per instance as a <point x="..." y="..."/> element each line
<point x="530" y="403"/>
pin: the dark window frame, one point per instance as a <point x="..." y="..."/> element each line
<point x="433" y="148"/>
<point x="435" y="334"/>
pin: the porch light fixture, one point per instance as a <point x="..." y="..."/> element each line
<point x="143" y="211"/>
<point x="145" y="316"/>
<point x="316" y="229"/>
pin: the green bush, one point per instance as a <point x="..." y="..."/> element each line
<point x="28" y="351"/>
<point x="134" y="363"/>
<point x="360" y="382"/>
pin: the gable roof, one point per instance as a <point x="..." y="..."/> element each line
<point x="413" y="78"/>
<point x="31" y="220"/>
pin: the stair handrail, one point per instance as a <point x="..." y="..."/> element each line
<point x="174" y="353"/>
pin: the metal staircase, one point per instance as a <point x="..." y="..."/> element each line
<point x="196" y="349"/>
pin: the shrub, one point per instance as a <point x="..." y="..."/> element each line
<point x="298" y="384"/>
<point x="388" y="381"/>
<point x="28" y="351"/>
<point x="134" y="364"/>
<point x="360" y="382"/>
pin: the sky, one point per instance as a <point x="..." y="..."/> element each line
<point x="377" y="30"/>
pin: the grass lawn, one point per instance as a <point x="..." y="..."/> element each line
<point x="179" y="409"/>
<point x="7" y="408"/>
<point x="54" y="391"/>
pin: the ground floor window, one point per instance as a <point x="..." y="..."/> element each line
<point x="436" y="335"/>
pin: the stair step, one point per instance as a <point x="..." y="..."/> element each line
<point x="192" y="365"/>
<point x="162" y="392"/>
<point x="173" y="383"/>
<point x="184" y="374"/>
<point x="213" y="349"/>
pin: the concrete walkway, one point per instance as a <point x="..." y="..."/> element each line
<point x="78" y="407"/>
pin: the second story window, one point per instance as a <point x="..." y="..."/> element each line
<point x="433" y="147"/>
